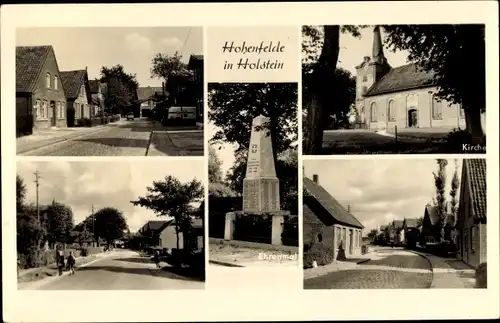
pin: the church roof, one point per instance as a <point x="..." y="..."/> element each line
<point x="402" y="78"/>
<point x="331" y="205"/>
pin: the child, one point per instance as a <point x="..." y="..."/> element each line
<point x="60" y="260"/>
<point x="71" y="263"/>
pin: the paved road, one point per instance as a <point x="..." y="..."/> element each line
<point x="388" y="269"/>
<point x="124" y="271"/>
<point x="132" y="138"/>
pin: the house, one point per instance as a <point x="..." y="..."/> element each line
<point x="151" y="230"/>
<point x="401" y="96"/>
<point x="196" y="65"/>
<point x="430" y="225"/>
<point x="40" y="94"/>
<point x="397" y="231"/>
<point x="411" y="232"/>
<point x="148" y="96"/>
<point x="471" y="216"/>
<point x="327" y="224"/>
<point x="97" y="93"/>
<point x="76" y="86"/>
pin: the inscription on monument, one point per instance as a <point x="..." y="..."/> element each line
<point x="265" y="195"/>
<point x="274" y="194"/>
<point x="250" y="196"/>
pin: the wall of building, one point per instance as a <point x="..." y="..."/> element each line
<point x="317" y="235"/>
<point x="44" y="93"/>
<point x="404" y="101"/>
<point x="341" y="234"/>
<point x="81" y="105"/>
<point x="168" y="238"/>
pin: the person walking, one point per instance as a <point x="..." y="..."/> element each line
<point x="71" y="263"/>
<point x="60" y="259"/>
<point x="156" y="259"/>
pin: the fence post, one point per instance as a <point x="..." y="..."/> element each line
<point x="396" y="132"/>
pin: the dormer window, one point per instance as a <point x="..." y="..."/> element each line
<point x="47" y="80"/>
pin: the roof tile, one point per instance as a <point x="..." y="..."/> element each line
<point x="29" y="62"/>
<point x="476" y="173"/>
<point x="72" y="82"/>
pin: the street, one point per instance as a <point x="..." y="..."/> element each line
<point x="125" y="270"/>
<point x="126" y="138"/>
<point x="388" y="269"/>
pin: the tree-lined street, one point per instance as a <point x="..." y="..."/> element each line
<point x="127" y="138"/>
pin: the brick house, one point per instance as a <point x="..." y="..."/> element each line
<point x="430" y="230"/>
<point x="402" y="96"/>
<point x="411" y="232"/>
<point x="471" y="217"/>
<point x="40" y="94"/>
<point x="397" y="231"/>
<point x="162" y="234"/>
<point x="196" y="65"/>
<point x="327" y="225"/>
<point x="76" y="85"/>
<point x="148" y="96"/>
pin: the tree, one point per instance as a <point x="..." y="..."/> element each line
<point x="420" y="221"/>
<point x="121" y="89"/>
<point x="173" y="198"/>
<point x="173" y="70"/>
<point x="337" y="114"/>
<point x="214" y="166"/>
<point x="440" y="200"/>
<point x="109" y="224"/>
<point x="20" y="192"/>
<point x="29" y="235"/>
<point x="455" y="183"/>
<point x="455" y="54"/>
<point x="233" y="106"/>
<point x="322" y="80"/>
<point x="372" y="235"/>
<point x="58" y="220"/>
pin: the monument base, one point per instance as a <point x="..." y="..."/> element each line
<point x="278" y="219"/>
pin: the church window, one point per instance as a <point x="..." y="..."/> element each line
<point x="391" y="113"/>
<point x="437" y="106"/>
<point x="365" y="78"/>
<point x="373" y="112"/>
<point x="462" y="112"/>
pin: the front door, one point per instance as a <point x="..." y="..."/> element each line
<point x="412" y="118"/>
<point x="54" y="113"/>
<point x="351" y="242"/>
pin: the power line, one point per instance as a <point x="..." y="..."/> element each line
<point x="185" y="41"/>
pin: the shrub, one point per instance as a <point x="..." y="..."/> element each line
<point x="290" y="235"/>
<point x="481" y="276"/>
<point x="253" y="228"/>
<point x="321" y="254"/>
<point x="455" y="140"/>
<point x="84" y="252"/>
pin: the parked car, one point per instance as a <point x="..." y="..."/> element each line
<point x="181" y="115"/>
<point x="130" y="116"/>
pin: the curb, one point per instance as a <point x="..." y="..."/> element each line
<point x="363" y="261"/>
<point x="63" y="139"/>
<point x="423" y="255"/>
<point x="225" y="264"/>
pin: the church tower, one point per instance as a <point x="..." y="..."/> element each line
<point x="373" y="68"/>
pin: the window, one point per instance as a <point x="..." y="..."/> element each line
<point x="63" y="109"/>
<point x="373" y="112"/>
<point x="77" y="110"/>
<point x="58" y="105"/>
<point x="391" y="113"/>
<point x="339" y="237"/>
<point x="82" y="90"/>
<point x="38" y="110"/>
<point x="45" y="109"/>
<point x="462" y="112"/>
<point x="360" y="239"/>
<point x="365" y="78"/>
<point x="344" y="237"/>
<point x="437" y="106"/>
<point x="362" y="109"/>
<point x="55" y="82"/>
<point x="473" y="238"/>
<point x="47" y="80"/>
<point x="320" y="237"/>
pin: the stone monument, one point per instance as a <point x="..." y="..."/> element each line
<point x="261" y="195"/>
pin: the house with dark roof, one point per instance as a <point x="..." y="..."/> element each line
<point x="430" y="225"/>
<point x="40" y="94"/>
<point x="471" y="216"/>
<point x="76" y="86"/>
<point x="148" y="96"/>
<point x="411" y="232"/>
<point x="196" y="65"/>
<point x="97" y="92"/>
<point x="397" y="231"/>
<point x="401" y="96"/>
<point x="327" y="225"/>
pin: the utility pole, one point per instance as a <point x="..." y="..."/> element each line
<point x="93" y="231"/>
<point x="37" y="182"/>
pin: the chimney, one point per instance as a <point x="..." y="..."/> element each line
<point x="349" y="209"/>
<point x="315" y="179"/>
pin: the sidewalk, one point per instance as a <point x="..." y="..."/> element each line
<point x="450" y="273"/>
<point x="55" y="135"/>
<point x="176" y="142"/>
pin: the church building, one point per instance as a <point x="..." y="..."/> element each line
<point x="401" y="96"/>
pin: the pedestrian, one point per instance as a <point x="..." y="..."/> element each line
<point x="156" y="259"/>
<point x="60" y="260"/>
<point x="71" y="263"/>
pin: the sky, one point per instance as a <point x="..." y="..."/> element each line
<point x="94" y="47"/>
<point x="104" y="184"/>
<point x="352" y="50"/>
<point x="380" y="190"/>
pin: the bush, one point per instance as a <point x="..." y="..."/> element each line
<point x="455" y="140"/>
<point x="290" y="235"/>
<point x="84" y="122"/>
<point x="321" y="254"/>
<point x="481" y="276"/>
<point x="253" y="228"/>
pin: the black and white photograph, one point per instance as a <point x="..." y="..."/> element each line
<point x="394" y="224"/>
<point x="120" y="92"/>
<point x="394" y="89"/>
<point x="110" y="225"/>
<point x="253" y="174"/>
